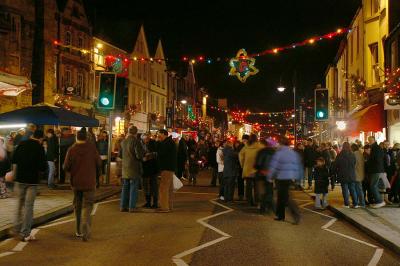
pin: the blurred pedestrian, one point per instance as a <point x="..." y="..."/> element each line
<point x="182" y="157"/>
<point x="5" y="167"/>
<point x="102" y="148"/>
<point x="83" y="162"/>
<point x="212" y="162"/>
<point x="10" y="144"/>
<point x="167" y="159"/>
<point x="29" y="161"/>
<point x="285" y="167"/>
<point x="309" y="160"/>
<point x="247" y="158"/>
<point x="240" y="181"/>
<point x="265" y="185"/>
<point x="18" y="137"/>
<point x="220" y="161"/>
<point x="67" y="139"/>
<point x="132" y="154"/>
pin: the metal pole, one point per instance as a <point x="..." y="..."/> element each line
<point x="108" y="170"/>
<point x="294" y="107"/>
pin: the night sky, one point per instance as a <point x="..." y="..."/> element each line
<point x="220" y="28"/>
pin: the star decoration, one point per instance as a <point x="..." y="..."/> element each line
<point x="242" y="66"/>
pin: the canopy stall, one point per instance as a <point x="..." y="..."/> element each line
<point x="369" y="119"/>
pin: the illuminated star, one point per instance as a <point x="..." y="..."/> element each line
<point x="242" y="66"/>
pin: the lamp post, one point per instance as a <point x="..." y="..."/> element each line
<point x="282" y="89"/>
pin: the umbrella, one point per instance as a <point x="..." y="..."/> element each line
<point x="48" y="115"/>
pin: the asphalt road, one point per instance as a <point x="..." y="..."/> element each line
<point x="200" y="232"/>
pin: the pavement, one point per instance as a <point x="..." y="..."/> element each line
<point x="382" y="224"/>
<point x="200" y="231"/>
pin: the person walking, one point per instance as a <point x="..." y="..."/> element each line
<point x="247" y="158"/>
<point x="150" y="172"/>
<point x="5" y="167"/>
<point x="230" y="171"/>
<point x="132" y="154"/>
<point x="240" y="181"/>
<point x="167" y="159"/>
<point x="360" y="174"/>
<point x="344" y="167"/>
<point x="321" y="181"/>
<point x="376" y="171"/>
<point x="51" y="155"/>
<point x="29" y="161"/>
<point x="83" y="163"/>
<point x="266" y="190"/>
<point x="285" y="167"/>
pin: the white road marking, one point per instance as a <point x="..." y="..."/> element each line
<point x="6" y="253"/>
<point x="378" y="251"/>
<point x="94" y="209"/>
<point x="20" y="246"/>
<point x="177" y="259"/>
<point x="377" y="256"/>
<point x="107" y="201"/>
<point x="57" y="223"/>
<point x="5" y="242"/>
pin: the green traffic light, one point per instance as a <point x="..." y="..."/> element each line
<point x="320" y="114"/>
<point x="105" y="101"/>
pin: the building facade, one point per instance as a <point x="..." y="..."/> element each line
<point x="17" y="30"/>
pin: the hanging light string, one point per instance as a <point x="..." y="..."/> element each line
<point x="209" y="60"/>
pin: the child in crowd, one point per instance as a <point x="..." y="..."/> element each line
<point x="193" y="168"/>
<point x="321" y="177"/>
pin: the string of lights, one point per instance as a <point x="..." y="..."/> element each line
<point x="209" y="60"/>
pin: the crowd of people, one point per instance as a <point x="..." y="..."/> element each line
<point x="250" y="168"/>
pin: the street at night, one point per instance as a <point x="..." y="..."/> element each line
<point x="200" y="132"/>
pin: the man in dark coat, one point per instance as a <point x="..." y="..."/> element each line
<point x="51" y="155"/>
<point x="309" y="160"/>
<point x="29" y="161"/>
<point x="376" y="171"/>
<point x="231" y="170"/>
<point x="150" y="171"/>
<point x="167" y="159"/>
<point x="212" y="162"/>
<point x="182" y="156"/>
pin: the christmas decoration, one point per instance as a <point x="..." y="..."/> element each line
<point x="62" y="101"/>
<point x="118" y="64"/>
<point x="209" y="60"/>
<point x="242" y="66"/>
<point x="392" y="81"/>
<point x="357" y="85"/>
<point x="338" y="104"/>
<point x="191" y="114"/>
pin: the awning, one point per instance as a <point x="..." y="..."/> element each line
<point x="369" y="119"/>
<point x="12" y="85"/>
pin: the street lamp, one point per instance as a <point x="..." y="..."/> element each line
<point x="183" y="102"/>
<point x="282" y="89"/>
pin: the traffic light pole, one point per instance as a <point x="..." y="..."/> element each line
<point x="108" y="170"/>
<point x="294" y="108"/>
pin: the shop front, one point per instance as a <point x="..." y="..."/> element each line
<point x="366" y="122"/>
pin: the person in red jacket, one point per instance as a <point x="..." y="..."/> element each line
<point x="82" y="161"/>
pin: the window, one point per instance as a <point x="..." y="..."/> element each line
<point x="152" y="76"/>
<point x="139" y="70"/>
<point x="68" y="77"/>
<point x="68" y="38"/>
<point x="157" y="104"/>
<point x="80" y="42"/>
<point x="80" y="81"/>
<point x="358" y="40"/>
<point x="162" y="80"/>
<point x="132" y="68"/>
<point x="374" y="62"/>
<point x="145" y="72"/>
<point x="152" y="103"/>
<point x="158" y="79"/>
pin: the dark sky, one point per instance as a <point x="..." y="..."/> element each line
<point x="220" y="28"/>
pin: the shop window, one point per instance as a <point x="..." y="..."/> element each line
<point x="80" y="42"/>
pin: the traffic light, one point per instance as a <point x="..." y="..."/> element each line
<point x="106" y="99"/>
<point x="321" y="101"/>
